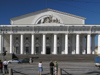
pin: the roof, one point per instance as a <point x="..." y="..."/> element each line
<point x="37" y="12"/>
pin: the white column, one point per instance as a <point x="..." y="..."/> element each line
<point x="77" y="44"/>
<point x="66" y="43"/>
<point x="44" y="44"/>
<point x="0" y="43"/>
<point x="83" y="45"/>
<point x="11" y="43"/>
<point x="93" y="44"/>
<point x="88" y="44"/>
<point x="21" y="44"/>
<point x="55" y="44"/>
<point x="32" y="44"/>
<point x="99" y="44"/>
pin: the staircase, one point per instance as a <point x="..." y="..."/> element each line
<point x="68" y="58"/>
<point x="7" y="57"/>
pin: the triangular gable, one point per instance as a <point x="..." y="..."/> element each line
<point x="35" y="17"/>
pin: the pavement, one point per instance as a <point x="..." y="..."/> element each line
<point x="68" y="68"/>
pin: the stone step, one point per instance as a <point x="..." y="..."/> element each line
<point x="73" y="58"/>
<point x="59" y="57"/>
<point x="7" y="57"/>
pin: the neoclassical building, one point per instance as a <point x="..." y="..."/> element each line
<point x="49" y="31"/>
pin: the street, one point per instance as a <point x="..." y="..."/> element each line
<point x="74" y="68"/>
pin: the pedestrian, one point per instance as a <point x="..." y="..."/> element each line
<point x="40" y="68"/>
<point x="56" y="67"/>
<point x="1" y="65"/>
<point x="51" y="67"/>
<point x="30" y="60"/>
<point x="5" y="63"/>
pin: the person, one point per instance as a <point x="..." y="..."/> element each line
<point x="30" y="60"/>
<point x="40" y="68"/>
<point x="56" y="67"/>
<point x="1" y="65"/>
<point x="51" y="67"/>
<point x="5" y="63"/>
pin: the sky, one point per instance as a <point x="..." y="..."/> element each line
<point x="90" y="9"/>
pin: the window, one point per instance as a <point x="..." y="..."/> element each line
<point x="57" y="38"/>
<point x="47" y="38"/>
<point x="16" y="38"/>
<point x="37" y="38"/>
<point x="26" y="38"/>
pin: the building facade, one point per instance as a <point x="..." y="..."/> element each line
<point x="49" y="32"/>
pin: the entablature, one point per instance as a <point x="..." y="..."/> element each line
<point x="50" y="28"/>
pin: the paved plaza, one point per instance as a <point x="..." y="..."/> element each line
<point x="74" y="68"/>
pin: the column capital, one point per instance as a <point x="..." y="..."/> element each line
<point x="88" y="33"/>
<point x="78" y="33"/>
<point x="21" y="33"/>
<point x="66" y="33"/>
<point x="44" y="33"/>
<point x="32" y="33"/>
<point x="11" y="34"/>
<point x="55" y="33"/>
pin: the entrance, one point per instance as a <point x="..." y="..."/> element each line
<point x="27" y="50"/>
<point x="37" y="50"/>
<point x="17" y="50"/>
<point x="48" y="50"/>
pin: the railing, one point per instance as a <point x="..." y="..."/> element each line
<point x="11" y="71"/>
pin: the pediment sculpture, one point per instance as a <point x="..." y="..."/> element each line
<point x="49" y="19"/>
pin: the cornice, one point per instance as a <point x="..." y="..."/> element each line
<point x="37" y="12"/>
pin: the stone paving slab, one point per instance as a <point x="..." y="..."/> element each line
<point x="73" y="68"/>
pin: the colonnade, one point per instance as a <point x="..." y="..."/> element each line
<point x="90" y="47"/>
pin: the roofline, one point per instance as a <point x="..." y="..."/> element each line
<point x="48" y="9"/>
<point x="55" y="24"/>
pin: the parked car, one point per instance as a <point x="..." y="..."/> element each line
<point x="14" y="61"/>
<point x="97" y="62"/>
<point x="25" y="60"/>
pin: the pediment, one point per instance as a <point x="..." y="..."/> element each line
<point x="47" y="16"/>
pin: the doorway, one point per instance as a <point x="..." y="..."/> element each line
<point x="27" y="50"/>
<point x="17" y="50"/>
<point x="48" y="50"/>
<point x="37" y="50"/>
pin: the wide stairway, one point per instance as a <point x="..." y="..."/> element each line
<point x="72" y="58"/>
